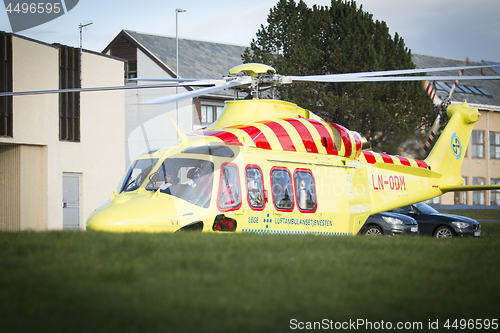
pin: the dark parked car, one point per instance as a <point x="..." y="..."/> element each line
<point x="433" y="223"/>
<point x="387" y="223"/>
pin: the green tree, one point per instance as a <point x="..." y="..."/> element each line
<point x="299" y="40"/>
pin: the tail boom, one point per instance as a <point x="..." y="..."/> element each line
<point x="447" y="155"/>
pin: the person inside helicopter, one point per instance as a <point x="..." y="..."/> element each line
<point x="170" y="180"/>
<point x="202" y="177"/>
<point x="187" y="179"/>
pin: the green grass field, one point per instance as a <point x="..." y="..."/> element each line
<point x="191" y="282"/>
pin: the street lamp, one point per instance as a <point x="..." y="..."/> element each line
<point x="177" y="11"/>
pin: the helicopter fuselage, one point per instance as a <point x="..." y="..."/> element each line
<point x="270" y="167"/>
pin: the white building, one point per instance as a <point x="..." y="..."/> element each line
<point x="61" y="156"/>
<point x="153" y="56"/>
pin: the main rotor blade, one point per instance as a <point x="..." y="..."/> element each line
<point x="162" y="80"/>
<point x="319" y="78"/>
<point x="195" y="93"/>
<point x="333" y="78"/>
<point x="56" y="91"/>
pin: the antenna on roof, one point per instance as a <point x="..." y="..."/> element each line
<point x="80" y="27"/>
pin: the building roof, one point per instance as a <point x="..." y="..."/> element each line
<point x="484" y="94"/>
<point x="207" y="60"/>
<point x="197" y="59"/>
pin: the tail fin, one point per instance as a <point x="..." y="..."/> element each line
<point x="447" y="155"/>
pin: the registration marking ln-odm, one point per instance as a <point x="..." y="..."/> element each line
<point x="394" y="183"/>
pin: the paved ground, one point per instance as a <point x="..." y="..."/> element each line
<point x="461" y="207"/>
<point x="441" y="208"/>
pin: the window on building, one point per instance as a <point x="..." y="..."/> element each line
<point x="131" y="70"/>
<point x="6" y="110"/>
<point x="255" y="187"/>
<point x="495" y="195"/>
<point x="229" y="189"/>
<point x="495" y="145"/>
<point x="305" y="190"/>
<point x="210" y="113"/>
<point x="478" y="197"/>
<point x="69" y="103"/>
<point x="281" y="182"/>
<point x="435" y="201"/>
<point x="484" y="92"/>
<point x="443" y="86"/>
<point x="465" y="89"/>
<point x="461" y="89"/>
<point x="477" y="147"/>
<point x="460" y="197"/>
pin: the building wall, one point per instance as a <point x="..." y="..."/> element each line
<point x="149" y="126"/>
<point x="35" y="121"/>
<point x="486" y="167"/>
<point x="34" y="160"/>
<point x="102" y="156"/>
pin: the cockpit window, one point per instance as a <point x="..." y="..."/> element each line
<point x="187" y="179"/>
<point x="137" y="173"/>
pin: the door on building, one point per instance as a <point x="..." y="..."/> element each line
<point x="71" y="200"/>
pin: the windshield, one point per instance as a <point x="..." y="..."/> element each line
<point x="185" y="178"/>
<point x="136" y="174"/>
<point x="425" y="209"/>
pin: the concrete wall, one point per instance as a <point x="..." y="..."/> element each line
<point x="23" y="188"/>
<point x="34" y="160"/>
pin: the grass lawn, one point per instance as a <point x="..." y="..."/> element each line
<point x="191" y="282"/>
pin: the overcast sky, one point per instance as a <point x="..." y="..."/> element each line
<point x="443" y="28"/>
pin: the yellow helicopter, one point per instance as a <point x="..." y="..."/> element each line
<point x="269" y="166"/>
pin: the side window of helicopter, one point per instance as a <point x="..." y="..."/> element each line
<point x="281" y="182"/>
<point x="229" y="188"/>
<point x="305" y="190"/>
<point x="255" y="187"/>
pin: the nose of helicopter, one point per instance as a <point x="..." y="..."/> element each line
<point x="135" y="212"/>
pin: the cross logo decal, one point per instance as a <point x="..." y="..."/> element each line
<point x="456" y="146"/>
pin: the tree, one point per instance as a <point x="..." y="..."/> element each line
<point x="299" y="40"/>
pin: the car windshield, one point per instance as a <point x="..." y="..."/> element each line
<point x="425" y="209"/>
<point x="136" y="174"/>
<point x="185" y="178"/>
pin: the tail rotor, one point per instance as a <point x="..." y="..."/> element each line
<point x="440" y="106"/>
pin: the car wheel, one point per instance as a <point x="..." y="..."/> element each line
<point x="444" y="232"/>
<point x="373" y="230"/>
